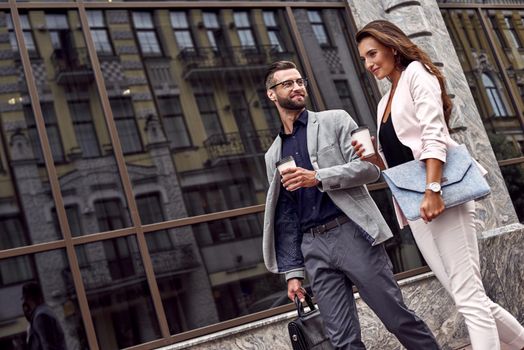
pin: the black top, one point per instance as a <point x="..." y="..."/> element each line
<point x="394" y="151"/>
<point x="312" y="206"/>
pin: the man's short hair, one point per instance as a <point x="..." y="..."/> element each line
<point x="32" y="291"/>
<point x="275" y="67"/>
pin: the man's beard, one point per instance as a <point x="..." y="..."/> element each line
<point x="289" y="104"/>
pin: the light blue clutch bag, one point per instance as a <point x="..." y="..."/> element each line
<point x="461" y="182"/>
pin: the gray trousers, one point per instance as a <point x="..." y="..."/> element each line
<point x="340" y="257"/>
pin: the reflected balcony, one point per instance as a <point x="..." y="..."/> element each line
<point x="206" y="62"/>
<point x="72" y="66"/>
<point x="235" y="145"/>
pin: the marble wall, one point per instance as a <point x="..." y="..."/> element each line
<point x="502" y="255"/>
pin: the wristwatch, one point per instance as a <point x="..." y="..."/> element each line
<point x="317" y="177"/>
<point x="434" y="187"/>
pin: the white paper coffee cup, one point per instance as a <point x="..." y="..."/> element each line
<point x="285" y="163"/>
<point x="362" y="136"/>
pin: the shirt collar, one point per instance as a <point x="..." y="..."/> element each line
<point x="301" y="120"/>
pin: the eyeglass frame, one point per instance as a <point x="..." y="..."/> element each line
<point x="295" y="81"/>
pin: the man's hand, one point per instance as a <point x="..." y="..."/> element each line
<point x="294" y="287"/>
<point x="295" y="178"/>
<point x="432" y="206"/>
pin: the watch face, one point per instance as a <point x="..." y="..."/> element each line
<point x="434" y="186"/>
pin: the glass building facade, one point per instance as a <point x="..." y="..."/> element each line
<point x="132" y="176"/>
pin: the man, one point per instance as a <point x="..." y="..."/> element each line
<point x="45" y="332"/>
<point x="319" y="215"/>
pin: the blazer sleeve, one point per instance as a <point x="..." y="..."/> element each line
<point x="426" y="94"/>
<point x="354" y="172"/>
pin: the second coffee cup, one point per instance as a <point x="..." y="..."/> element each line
<point x="362" y="136"/>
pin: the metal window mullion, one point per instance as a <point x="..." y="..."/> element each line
<point x="53" y="177"/>
<point x="122" y="168"/>
<point x="301" y="51"/>
<point x="513" y="96"/>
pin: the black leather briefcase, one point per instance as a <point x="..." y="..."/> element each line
<point x="307" y="330"/>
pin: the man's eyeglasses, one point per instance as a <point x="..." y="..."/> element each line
<point x="288" y="84"/>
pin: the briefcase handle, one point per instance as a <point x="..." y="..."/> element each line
<point x="300" y="306"/>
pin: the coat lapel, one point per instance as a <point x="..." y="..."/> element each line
<point x="276" y="152"/>
<point x="312" y="137"/>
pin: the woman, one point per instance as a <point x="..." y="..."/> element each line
<point x="412" y="124"/>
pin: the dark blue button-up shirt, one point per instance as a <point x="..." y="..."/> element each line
<point x="312" y="206"/>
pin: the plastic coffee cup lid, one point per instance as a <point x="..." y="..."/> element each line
<point x="359" y="129"/>
<point x="284" y="160"/>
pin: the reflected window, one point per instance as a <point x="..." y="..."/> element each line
<point x="180" y="26"/>
<point x="146" y="34"/>
<point x="269" y="110"/>
<point x="273" y="30"/>
<point x="513" y="33"/>
<point x="126" y="125"/>
<point x="495" y="99"/>
<point x="319" y="29"/>
<point x="209" y="114"/>
<point x="497" y="31"/>
<point x="344" y="93"/>
<point x="212" y="26"/>
<point x="150" y="210"/>
<point x="174" y="121"/>
<point x="15" y="270"/>
<point x="53" y="133"/>
<point x="244" y="31"/>
<point x="28" y="35"/>
<point x="109" y="214"/>
<point x="58" y="31"/>
<point x="99" y="32"/>
<point x="119" y="257"/>
<point x="13" y="233"/>
<point x="84" y="128"/>
<point x="73" y="218"/>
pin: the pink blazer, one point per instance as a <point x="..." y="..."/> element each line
<point x="418" y="118"/>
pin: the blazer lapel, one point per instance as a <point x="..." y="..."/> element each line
<point x="380" y="111"/>
<point x="275" y="153"/>
<point x="312" y="138"/>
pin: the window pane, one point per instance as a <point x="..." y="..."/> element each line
<point x="25" y="189"/>
<point x="201" y="283"/>
<point x="88" y="172"/>
<point x="118" y="294"/>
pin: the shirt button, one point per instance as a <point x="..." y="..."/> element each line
<point x="296" y="152"/>
<point x="314" y="207"/>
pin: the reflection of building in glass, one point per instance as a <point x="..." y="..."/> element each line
<point x="490" y="63"/>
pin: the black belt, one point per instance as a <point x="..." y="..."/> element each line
<point x="317" y="230"/>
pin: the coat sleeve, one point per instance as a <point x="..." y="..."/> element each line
<point x="426" y="93"/>
<point x="354" y="172"/>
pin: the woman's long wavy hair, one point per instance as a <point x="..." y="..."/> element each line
<point x="392" y="36"/>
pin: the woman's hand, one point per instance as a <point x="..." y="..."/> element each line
<point x="375" y="159"/>
<point x="432" y="206"/>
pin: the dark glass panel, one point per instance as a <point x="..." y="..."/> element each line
<point x="53" y="295"/>
<point x="118" y="293"/>
<point x="75" y="124"/>
<point x="25" y="196"/>
<point x="213" y="272"/>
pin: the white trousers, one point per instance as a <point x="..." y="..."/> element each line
<point x="449" y="246"/>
